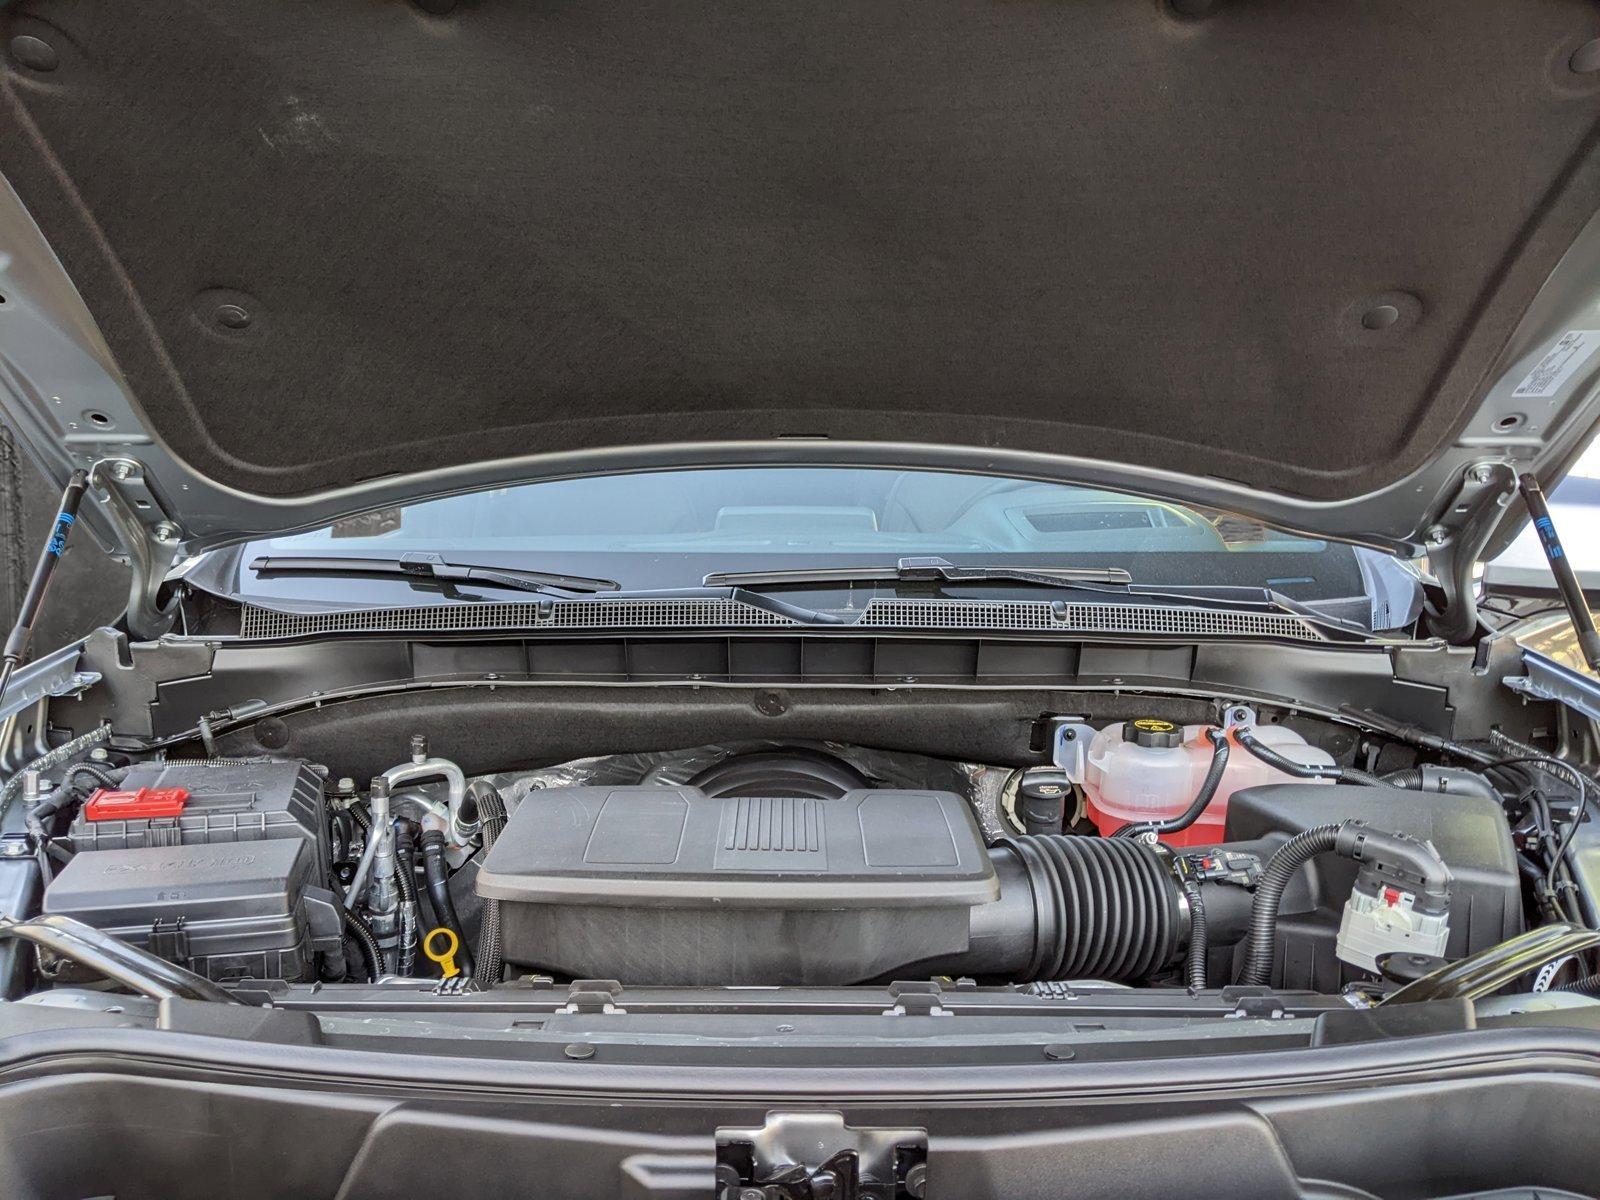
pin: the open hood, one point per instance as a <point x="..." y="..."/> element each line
<point x="269" y="263"/>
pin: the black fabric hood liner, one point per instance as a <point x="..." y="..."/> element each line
<point x="336" y="239"/>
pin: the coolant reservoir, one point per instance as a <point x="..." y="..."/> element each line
<point x="1150" y="770"/>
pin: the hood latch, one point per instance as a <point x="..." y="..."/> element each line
<point x="816" y="1156"/>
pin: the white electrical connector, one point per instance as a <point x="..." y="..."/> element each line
<point x="1388" y="923"/>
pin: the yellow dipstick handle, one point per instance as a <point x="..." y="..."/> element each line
<point x="446" y="958"/>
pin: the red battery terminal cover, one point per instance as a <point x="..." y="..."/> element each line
<point x="106" y="805"/>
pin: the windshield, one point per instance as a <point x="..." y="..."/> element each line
<point x="670" y="528"/>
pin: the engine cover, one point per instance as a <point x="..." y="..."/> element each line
<point x="666" y="885"/>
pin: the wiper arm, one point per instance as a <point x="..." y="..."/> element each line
<point x="910" y="570"/>
<point x="1105" y="580"/>
<point x="433" y="567"/>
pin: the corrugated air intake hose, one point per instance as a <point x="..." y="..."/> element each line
<point x="1103" y="908"/>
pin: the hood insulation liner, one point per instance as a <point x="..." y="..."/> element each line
<point x="1277" y="243"/>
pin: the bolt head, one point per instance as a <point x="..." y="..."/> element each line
<point x="1482" y="473"/>
<point x="1437" y="536"/>
<point x="166" y="532"/>
<point x="121" y="470"/>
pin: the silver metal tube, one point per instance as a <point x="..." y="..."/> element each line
<point x="421" y="767"/>
<point x="358" y="881"/>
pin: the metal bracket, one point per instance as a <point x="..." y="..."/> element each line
<point x="34" y="686"/>
<point x="816" y="1156"/>
<point x="1455" y="539"/>
<point x="1239" y="715"/>
<point x="1548" y="679"/>
<point x="1069" y="746"/>
<point x="55" y="674"/>
<point x="152" y="539"/>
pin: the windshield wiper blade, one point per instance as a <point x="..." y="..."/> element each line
<point x="911" y="570"/>
<point x="431" y="567"/>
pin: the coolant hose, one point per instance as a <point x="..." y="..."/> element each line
<point x="1282" y="867"/>
<point x="1202" y="799"/>
<point x="1195" y="963"/>
<point x="405" y="874"/>
<point x="1443" y="781"/>
<point x="363" y="936"/>
<point x="491" y="821"/>
<point x="438" y="876"/>
<point x="1288" y="766"/>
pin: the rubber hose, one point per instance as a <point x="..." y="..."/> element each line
<point x="1201" y="801"/>
<point x="1300" y="770"/>
<point x="107" y="777"/>
<point x="363" y="936"/>
<point x="492" y="821"/>
<point x="1261" y="945"/>
<point x="1410" y="780"/>
<point x="1195" y="963"/>
<point x="1104" y="908"/>
<point x="42" y="816"/>
<point x="433" y="867"/>
<point x="405" y="872"/>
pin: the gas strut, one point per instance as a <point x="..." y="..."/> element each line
<point x="1561" y="567"/>
<point x="22" y="632"/>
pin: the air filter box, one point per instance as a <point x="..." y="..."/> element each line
<point x="666" y="885"/>
<point x="1469" y="832"/>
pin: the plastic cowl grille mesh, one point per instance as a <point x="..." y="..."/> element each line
<point x="559" y="614"/>
<point x="1084" y="618"/>
<point x="1023" y="616"/>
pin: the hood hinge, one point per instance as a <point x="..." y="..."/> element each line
<point x="149" y="536"/>
<point x="1454" y="540"/>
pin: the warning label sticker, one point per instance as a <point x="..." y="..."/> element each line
<point x="1556" y="367"/>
